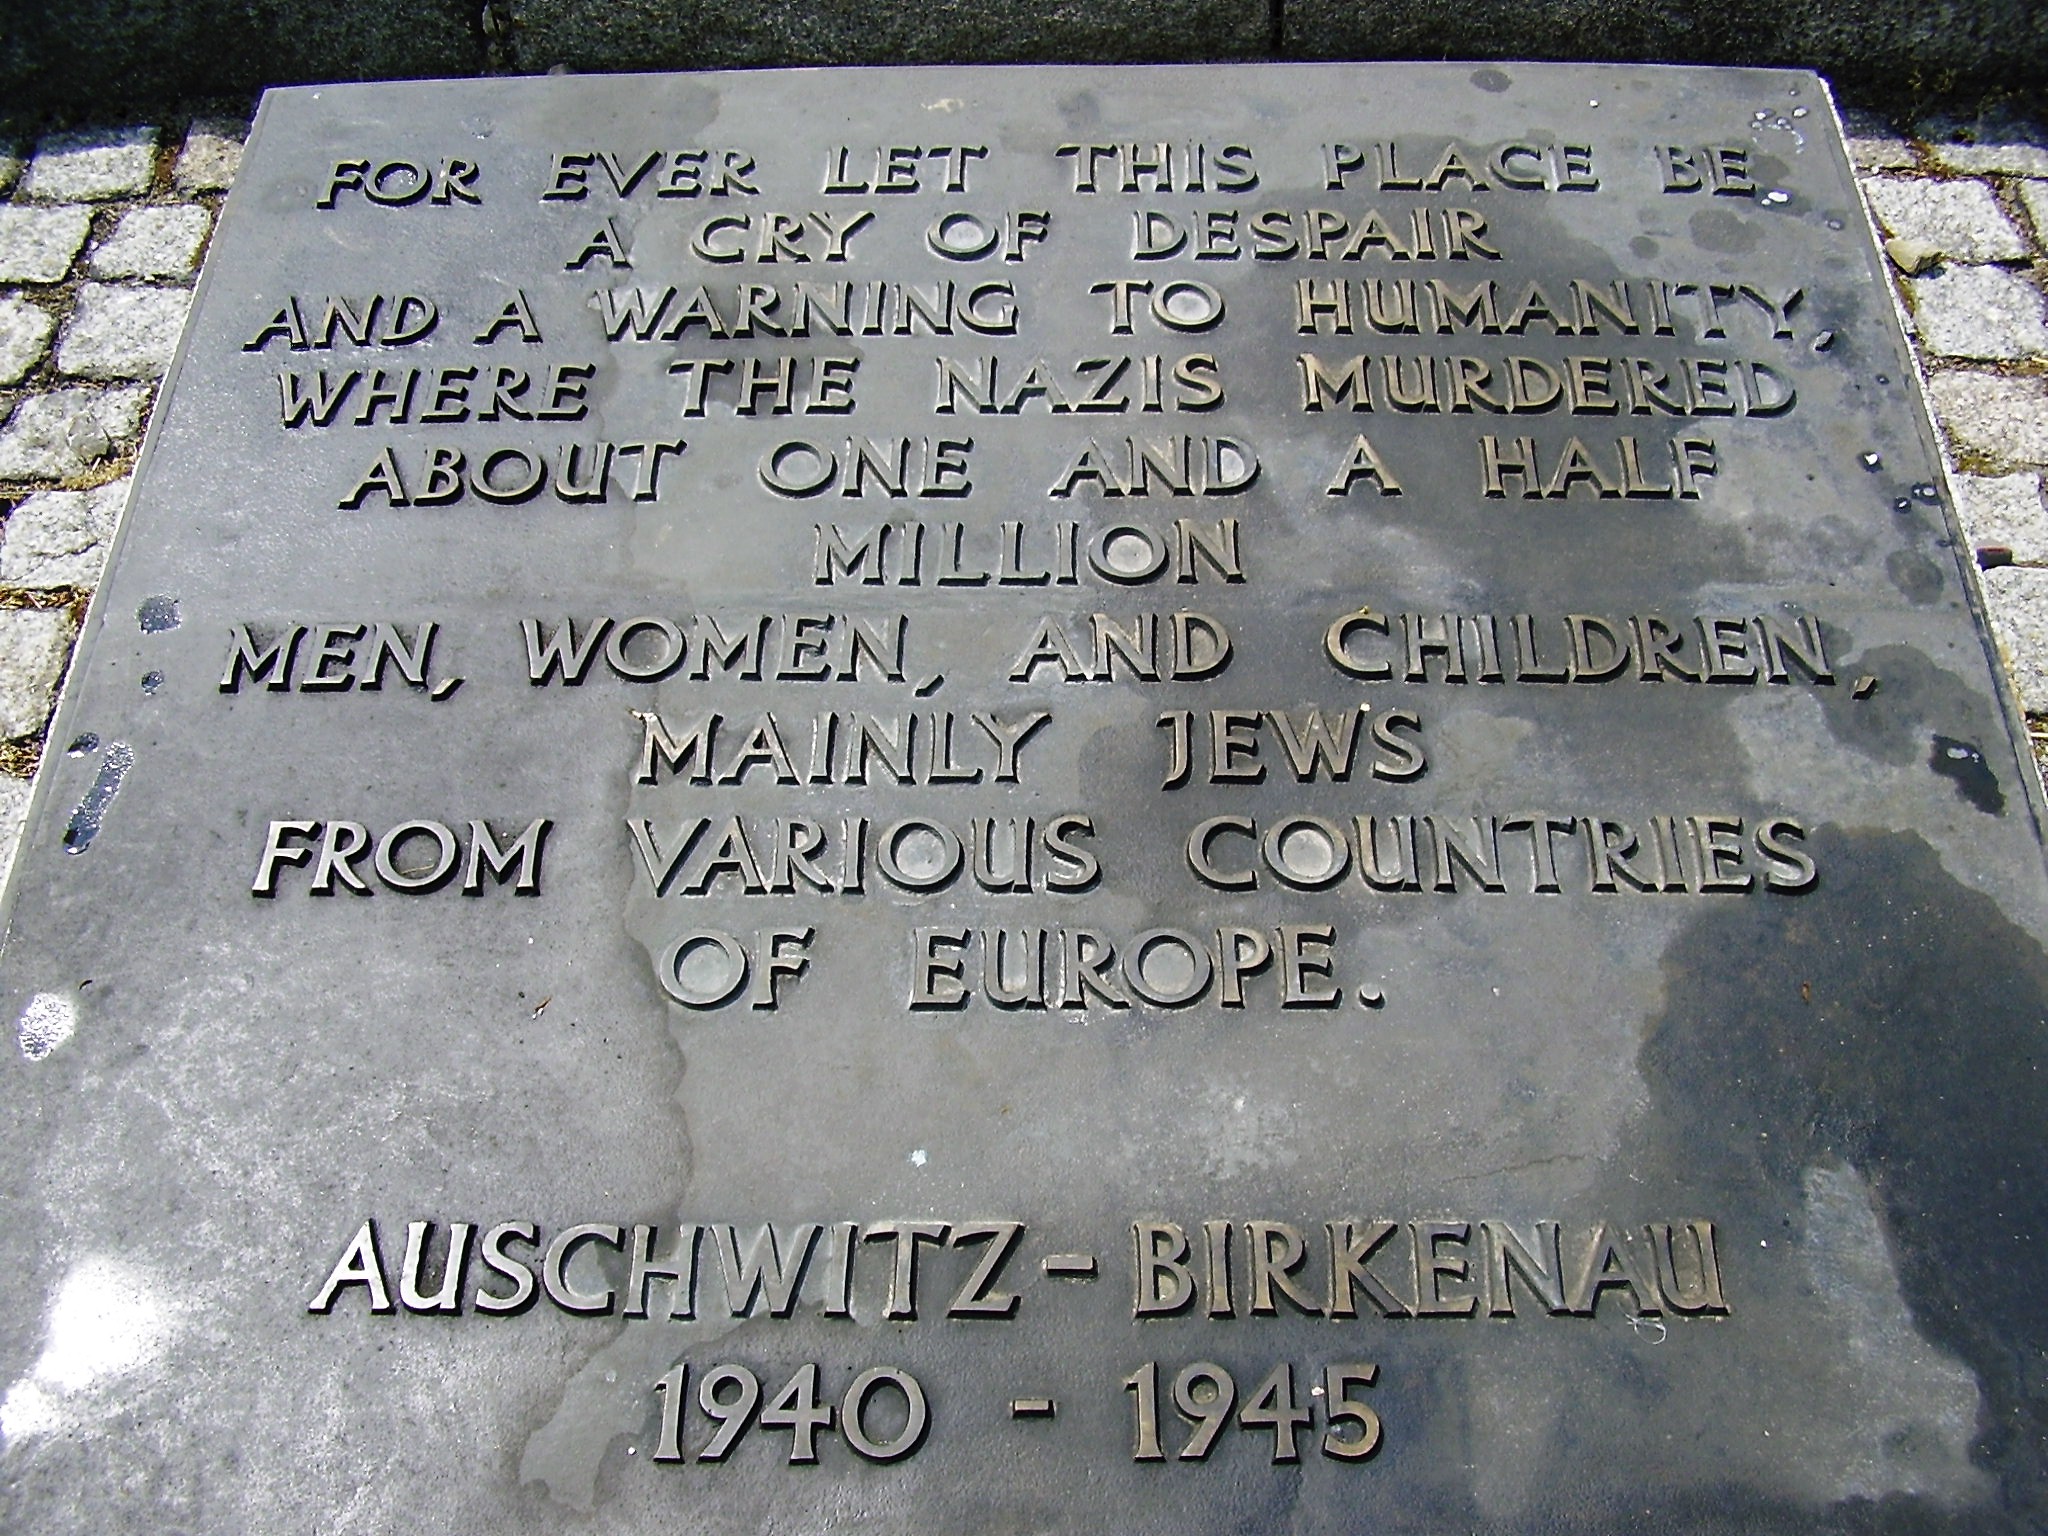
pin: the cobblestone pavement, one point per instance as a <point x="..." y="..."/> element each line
<point x="102" y="232"/>
<point x="101" y="236"/>
<point x="1963" y="215"/>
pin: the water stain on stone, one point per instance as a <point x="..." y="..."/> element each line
<point x="1082" y="109"/>
<point x="1492" y="80"/>
<point x="1912" y="1063"/>
<point x="1964" y="762"/>
<point x="1768" y="170"/>
<point x="92" y="810"/>
<point x="1716" y="229"/>
<point x="1917" y="699"/>
<point x="1916" y="576"/>
<point x="157" y="614"/>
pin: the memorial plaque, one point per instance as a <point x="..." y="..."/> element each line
<point x="1069" y="799"/>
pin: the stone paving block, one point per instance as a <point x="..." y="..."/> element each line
<point x="2017" y="597"/>
<point x="10" y="167"/>
<point x="1979" y="312"/>
<point x="24" y="337"/>
<point x="14" y="796"/>
<point x="67" y="431"/>
<point x="152" y="242"/>
<point x="92" y="165"/>
<point x="211" y="156"/>
<point x="38" y="245"/>
<point x="2034" y="198"/>
<point x="1961" y="219"/>
<point x="1876" y="154"/>
<point x="2009" y="149"/>
<point x="1874" y="144"/>
<point x="122" y="332"/>
<point x="1998" y="512"/>
<point x="2000" y="421"/>
<point x="59" y="538"/>
<point x="34" y="645"/>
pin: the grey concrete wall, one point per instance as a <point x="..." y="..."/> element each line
<point x="97" y="56"/>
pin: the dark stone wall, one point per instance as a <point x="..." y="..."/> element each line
<point x="100" y="56"/>
<point x="108" y="56"/>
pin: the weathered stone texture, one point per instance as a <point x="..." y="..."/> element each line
<point x="38" y="245"/>
<point x="92" y="165"/>
<point x="2000" y="421"/>
<point x="210" y="158"/>
<point x="14" y="797"/>
<point x="2011" y="150"/>
<point x="153" y="242"/>
<point x="1998" y="512"/>
<point x="122" y="332"/>
<point x="1979" y="312"/>
<point x="1959" y="219"/>
<point x="34" y="646"/>
<point x="2034" y="198"/>
<point x="24" y="337"/>
<point x="59" y="538"/>
<point x="68" y="431"/>
<point x="2017" y="597"/>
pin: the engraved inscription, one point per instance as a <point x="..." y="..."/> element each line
<point x="1149" y="799"/>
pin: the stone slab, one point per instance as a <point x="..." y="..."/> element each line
<point x="1206" y="845"/>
